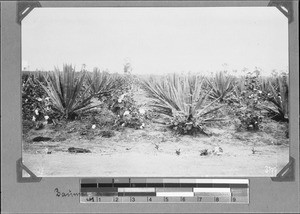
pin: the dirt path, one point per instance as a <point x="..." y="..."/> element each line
<point x="152" y="153"/>
<point x="135" y="164"/>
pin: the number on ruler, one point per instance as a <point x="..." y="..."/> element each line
<point x="166" y="199"/>
<point x="234" y="199"/>
<point x="182" y="199"/>
<point x="132" y="199"/>
<point x="117" y="199"/>
<point x="149" y="199"/>
<point x="199" y="199"/>
<point x="217" y="199"/>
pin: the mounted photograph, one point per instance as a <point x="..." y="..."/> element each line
<point x="155" y="92"/>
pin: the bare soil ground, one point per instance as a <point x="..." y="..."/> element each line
<point x="151" y="152"/>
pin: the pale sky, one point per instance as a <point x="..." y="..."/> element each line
<point x="156" y="40"/>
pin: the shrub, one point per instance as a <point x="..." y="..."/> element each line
<point x="246" y="102"/>
<point x="66" y="92"/>
<point x="115" y="92"/>
<point x="129" y="114"/>
<point x="250" y="119"/>
<point x="182" y="99"/>
<point x="35" y="103"/>
<point x="122" y="103"/>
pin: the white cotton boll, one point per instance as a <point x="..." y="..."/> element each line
<point x="33" y="118"/>
<point x="126" y="113"/>
<point x="46" y="117"/>
<point x="142" y="111"/>
<point x="142" y="126"/>
<point x="121" y="98"/>
<point x="36" y="112"/>
<point x="93" y="126"/>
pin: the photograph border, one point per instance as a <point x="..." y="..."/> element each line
<point x="266" y="194"/>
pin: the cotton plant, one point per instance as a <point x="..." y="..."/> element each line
<point x="35" y="102"/>
<point x="130" y="115"/>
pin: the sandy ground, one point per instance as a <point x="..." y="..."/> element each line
<point x="151" y="152"/>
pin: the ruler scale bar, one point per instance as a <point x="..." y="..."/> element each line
<point x="89" y="185"/>
<point x="138" y="185"/>
<point x="139" y="194"/>
<point x="211" y="189"/>
<point x="174" y="189"/>
<point x="170" y="194"/>
<point x="136" y="189"/>
<point x="188" y="185"/>
<point x="163" y="190"/>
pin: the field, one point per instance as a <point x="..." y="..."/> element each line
<point x="124" y="125"/>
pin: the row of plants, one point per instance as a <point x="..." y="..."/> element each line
<point x="188" y="101"/>
<point x="254" y="93"/>
<point x="192" y="101"/>
<point x="69" y="94"/>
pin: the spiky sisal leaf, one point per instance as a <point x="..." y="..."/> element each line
<point x="175" y="94"/>
<point x="239" y="86"/>
<point x="279" y="99"/>
<point x="66" y="91"/>
<point x="220" y="85"/>
<point x="104" y="83"/>
<point x="264" y="84"/>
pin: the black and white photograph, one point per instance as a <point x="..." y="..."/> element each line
<point x="155" y="91"/>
